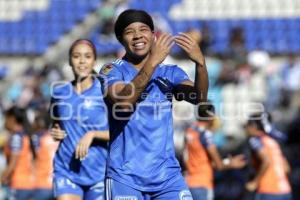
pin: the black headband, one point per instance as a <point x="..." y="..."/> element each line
<point x="130" y="16"/>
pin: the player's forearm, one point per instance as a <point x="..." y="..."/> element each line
<point x="262" y="169"/>
<point x="220" y="166"/>
<point x="216" y="159"/>
<point x="11" y="166"/>
<point x="129" y="95"/>
<point x="101" y="135"/>
<point x="287" y="168"/>
<point x="201" y="81"/>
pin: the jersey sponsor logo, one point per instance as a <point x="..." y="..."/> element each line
<point x="126" y="197"/>
<point x="185" y="195"/>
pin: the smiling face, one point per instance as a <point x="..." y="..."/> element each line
<point x="137" y="39"/>
<point x="82" y="60"/>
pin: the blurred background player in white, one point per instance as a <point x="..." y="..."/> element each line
<point x="81" y="126"/>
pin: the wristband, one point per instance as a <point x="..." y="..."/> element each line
<point x="226" y="161"/>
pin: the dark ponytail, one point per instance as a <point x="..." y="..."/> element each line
<point x="21" y="118"/>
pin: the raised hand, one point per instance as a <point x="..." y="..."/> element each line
<point x="161" y="48"/>
<point x="57" y="133"/>
<point x="5" y="178"/>
<point x="238" y="161"/>
<point x="251" y="186"/>
<point x="190" y="46"/>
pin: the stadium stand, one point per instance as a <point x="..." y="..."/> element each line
<point x="34" y="29"/>
<point x="269" y="25"/>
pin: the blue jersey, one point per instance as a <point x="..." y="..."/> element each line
<point x="77" y="114"/>
<point x="141" y="153"/>
<point x="255" y="144"/>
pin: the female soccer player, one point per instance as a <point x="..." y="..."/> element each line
<point x="202" y="156"/>
<point x="81" y="125"/>
<point x="18" y="174"/>
<point x="270" y="181"/>
<point x="141" y="162"/>
<point x="45" y="148"/>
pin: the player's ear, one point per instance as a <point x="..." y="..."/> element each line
<point x="154" y="35"/>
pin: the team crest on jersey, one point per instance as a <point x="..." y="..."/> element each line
<point x="88" y="103"/>
<point x="106" y="68"/>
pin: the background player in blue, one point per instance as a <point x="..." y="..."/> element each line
<point x="141" y="161"/>
<point x="80" y="116"/>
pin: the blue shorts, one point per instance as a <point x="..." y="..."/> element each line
<point x="201" y="193"/>
<point x="16" y="194"/>
<point x="63" y="185"/>
<point x="119" y="191"/>
<point x="43" y="194"/>
<point x="265" y="196"/>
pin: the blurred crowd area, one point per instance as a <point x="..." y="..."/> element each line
<point x="240" y="82"/>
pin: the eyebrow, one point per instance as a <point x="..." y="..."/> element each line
<point x="82" y="53"/>
<point x="145" y="26"/>
<point x="142" y="26"/>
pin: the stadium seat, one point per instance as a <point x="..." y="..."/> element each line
<point x="38" y="29"/>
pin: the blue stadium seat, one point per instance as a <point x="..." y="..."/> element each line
<point x="277" y="35"/>
<point x="39" y="29"/>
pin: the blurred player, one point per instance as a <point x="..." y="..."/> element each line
<point x="270" y="181"/>
<point x="142" y="161"/>
<point x="270" y="129"/>
<point x="18" y="174"/>
<point x="45" y="148"/>
<point x="81" y="125"/>
<point x="202" y="155"/>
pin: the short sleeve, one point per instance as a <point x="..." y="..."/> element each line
<point x="53" y="109"/>
<point x="206" y="139"/>
<point x="277" y="135"/>
<point x="111" y="74"/>
<point x="255" y="144"/>
<point x="36" y="140"/>
<point x="15" y="143"/>
<point x="105" y="126"/>
<point x="179" y="76"/>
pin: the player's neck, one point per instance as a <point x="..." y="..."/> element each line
<point x="137" y="62"/>
<point x="83" y="84"/>
<point x="17" y="129"/>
